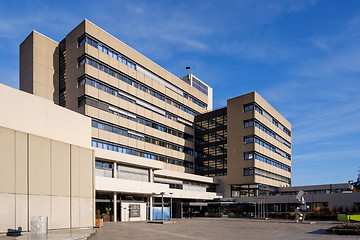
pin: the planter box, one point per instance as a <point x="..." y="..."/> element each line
<point x="106" y="218"/>
<point x="99" y="223"/>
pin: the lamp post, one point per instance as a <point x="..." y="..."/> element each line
<point x="171" y="205"/>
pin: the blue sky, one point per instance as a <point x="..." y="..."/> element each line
<point x="302" y="56"/>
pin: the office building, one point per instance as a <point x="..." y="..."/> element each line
<point x="98" y="126"/>
<point x="247" y="145"/>
<point x="116" y="134"/>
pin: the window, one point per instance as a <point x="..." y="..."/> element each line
<point x="265" y="174"/>
<point x="248" y="123"/>
<point x="248" y="155"/>
<point x="248" y="171"/>
<point x="95" y="103"/>
<point x="255" y="155"/>
<point x="129" y="63"/>
<point x="261" y="142"/>
<point x="199" y="86"/>
<point x="114" y="73"/>
<point x="139" y="153"/>
<point x="254" y="122"/>
<point x="254" y="106"/>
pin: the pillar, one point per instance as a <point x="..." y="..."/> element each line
<point x="151" y="199"/>
<point x="151" y="175"/>
<point x="162" y="207"/>
<point x="115" y="170"/>
<point x="115" y="207"/>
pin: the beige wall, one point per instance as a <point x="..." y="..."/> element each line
<point x="235" y="141"/>
<point x="46" y="162"/>
<point x="32" y="114"/>
<point x="44" y="177"/>
<point x="236" y="146"/>
<point x="39" y="66"/>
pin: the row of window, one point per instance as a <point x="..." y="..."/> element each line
<point x="265" y="174"/>
<point x="208" y="165"/>
<point x="116" y="74"/>
<point x="113" y="91"/>
<point x="255" y="155"/>
<point x="199" y="86"/>
<point x="262" y="127"/>
<point x="107" y="51"/>
<point x="211" y="151"/>
<point x="212" y="123"/>
<point x="252" y="190"/>
<point x="261" y="142"/>
<point x="216" y="167"/>
<point x="104" y="106"/>
<point x="114" y="54"/>
<point x="255" y="106"/>
<point x="107" y="127"/>
<point x="139" y="153"/>
<point x="103" y="165"/>
<point x="220" y="135"/>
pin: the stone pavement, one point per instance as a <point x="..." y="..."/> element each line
<point x="218" y="228"/>
<point x="75" y="234"/>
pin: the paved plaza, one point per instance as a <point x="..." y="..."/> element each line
<point x="218" y="228"/>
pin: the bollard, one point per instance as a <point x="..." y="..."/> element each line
<point x="39" y="225"/>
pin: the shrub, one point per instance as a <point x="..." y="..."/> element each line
<point x="340" y="209"/>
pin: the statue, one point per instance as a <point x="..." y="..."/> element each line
<point x="302" y="209"/>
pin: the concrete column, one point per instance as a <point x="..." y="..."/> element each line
<point x="151" y="175"/>
<point x="114" y="170"/>
<point x="115" y="207"/>
<point x="162" y="207"/>
<point x="181" y="210"/>
<point x="151" y="207"/>
<point x="151" y="198"/>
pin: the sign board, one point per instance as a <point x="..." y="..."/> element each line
<point x="134" y="210"/>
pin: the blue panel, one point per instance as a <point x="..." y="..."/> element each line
<point x="157" y="213"/>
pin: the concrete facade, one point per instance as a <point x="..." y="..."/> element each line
<point x="254" y="142"/>
<point x="47" y="171"/>
<point x="237" y="146"/>
<point x="39" y="66"/>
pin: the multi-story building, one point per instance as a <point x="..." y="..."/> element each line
<point x="117" y="133"/>
<point x="140" y="119"/>
<point x="246" y="144"/>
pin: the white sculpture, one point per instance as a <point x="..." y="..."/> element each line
<point x="302" y="209"/>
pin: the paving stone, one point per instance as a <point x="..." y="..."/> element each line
<point x="218" y="228"/>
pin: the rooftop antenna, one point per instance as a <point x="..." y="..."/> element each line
<point x="188" y="69"/>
